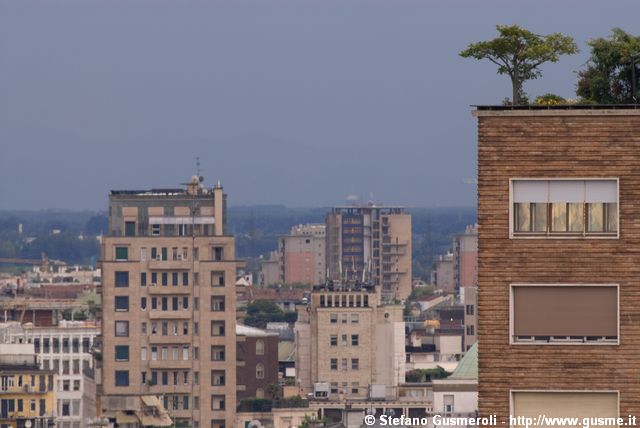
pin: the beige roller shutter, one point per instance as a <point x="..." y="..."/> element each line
<point x="565" y="404"/>
<point x="558" y="310"/>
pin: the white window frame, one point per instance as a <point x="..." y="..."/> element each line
<point x="582" y="236"/>
<point x="562" y="343"/>
<point x="565" y="391"/>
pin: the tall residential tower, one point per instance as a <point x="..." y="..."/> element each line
<point x="370" y="241"/>
<point x="169" y="304"/>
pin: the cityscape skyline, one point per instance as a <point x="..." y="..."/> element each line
<point x="358" y="110"/>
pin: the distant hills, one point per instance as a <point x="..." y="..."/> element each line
<point x="256" y="228"/>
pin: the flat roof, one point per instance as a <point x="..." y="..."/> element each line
<point x="557" y="110"/>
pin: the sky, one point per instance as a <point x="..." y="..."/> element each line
<point x="300" y="103"/>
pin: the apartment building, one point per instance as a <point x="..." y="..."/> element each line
<point x="27" y="393"/>
<point x="557" y="281"/>
<point x="465" y="258"/>
<point x="302" y="255"/>
<point x="257" y="355"/>
<point x="370" y="241"/>
<point x="169" y="304"/>
<point x="469" y="299"/>
<point x="64" y="350"/>
<point x="348" y="340"/>
<point x="443" y="273"/>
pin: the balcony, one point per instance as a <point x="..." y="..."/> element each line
<point x="169" y="315"/>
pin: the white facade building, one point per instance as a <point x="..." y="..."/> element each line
<point x="65" y="348"/>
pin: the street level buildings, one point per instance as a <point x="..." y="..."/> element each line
<point x="373" y="243"/>
<point x="558" y="195"/>
<point x="169" y="305"/>
<point x="27" y="392"/>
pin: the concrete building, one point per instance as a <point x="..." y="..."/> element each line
<point x="270" y="270"/>
<point x="558" y="234"/>
<point x="302" y="255"/>
<point x="443" y="273"/>
<point x="469" y="299"/>
<point x="465" y="258"/>
<point x="65" y="350"/>
<point x="349" y="341"/>
<point x="373" y="240"/>
<point x="257" y="355"/>
<point x="169" y="304"/>
<point x="27" y="392"/>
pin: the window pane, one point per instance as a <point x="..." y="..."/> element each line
<point x="612" y="217"/>
<point x="523" y="217"/>
<point x="539" y="217"/>
<point x="596" y="223"/>
<point x="559" y="217"/>
<point x="122" y="253"/>
<point x="576" y="217"/>
<point x="122" y="279"/>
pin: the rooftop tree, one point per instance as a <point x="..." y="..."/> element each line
<point x="607" y="78"/>
<point x="519" y="53"/>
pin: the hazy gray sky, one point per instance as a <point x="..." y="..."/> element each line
<point x="293" y="102"/>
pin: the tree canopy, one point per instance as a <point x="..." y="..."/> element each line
<point x="519" y="53"/>
<point x="607" y="78"/>
<point x="261" y="312"/>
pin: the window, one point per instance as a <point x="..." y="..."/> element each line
<point x="217" y="402"/>
<point x="122" y="279"/>
<point x="174" y="279"/>
<point x="122" y="328"/>
<point x="333" y="363"/>
<point x="164" y="356"/>
<point x="154" y="278"/>
<point x="165" y="253"/>
<point x="122" y="377"/>
<point x="217" y="378"/>
<point x="343" y="340"/>
<point x="143" y="353"/>
<point x="565" y="207"/>
<point x="143" y="279"/>
<point x="185" y="328"/>
<point x="447" y="403"/>
<point x="354" y="340"/>
<point x="217" y="353"/>
<point x="154" y="303"/>
<point x="122" y="353"/>
<point x="259" y="347"/>
<point x="129" y="228"/>
<point x="185" y="353"/>
<point x="470" y="309"/>
<point x="154" y="353"/>
<point x="196" y="304"/>
<point x="259" y="371"/>
<point x="185" y="303"/>
<point x="143" y="254"/>
<point x="155" y="230"/>
<point x="217" y="304"/>
<point x="355" y="387"/>
<point x="185" y="278"/>
<point x="143" y="303"/>
<point x="565" y="404"/>
<point x="217" y="279"/>
<point x="122" y="253"/>
<point x="567" y="314"/>
<point x="122" y="303"/>
<point x="333" y="340"/>
<point x="217" y="253"/>
<point x="343" y="364"/>
<point x="217" y="328"/>
<point x="470" y="330"/>
<point x="355" y="363"/>
<point x="333" y="318"/>
<point x="165" y="279"/>
<point x="355" y="318"/>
